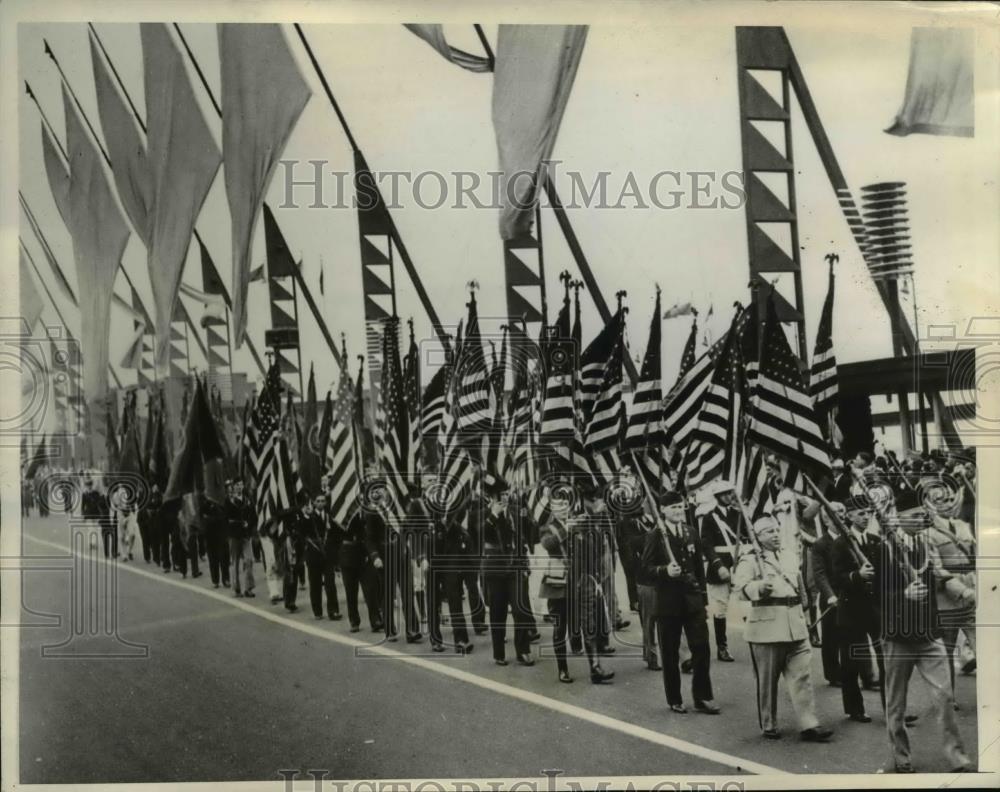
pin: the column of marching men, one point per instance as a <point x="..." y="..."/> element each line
<point x="877" y="572"/>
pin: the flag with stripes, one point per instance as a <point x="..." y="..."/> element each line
<point x="823" y="377"/>
<point x="411" y="392"/>
<point x="716" y="442"/>
<point x="604" y="416"/>
<point x="783" y="419"/>
<point x="343" y="463"/>
<point x="682" y="404"/>
<point x="644" y="419"/>
<point x="496" y="452"/>
<point x="432" y="409"/>
<point x="593" y="366"/>
<point x="393" y="450"/>
<point x="474" y="415"/>
<point x="559" y="354"/>
<point x="688" y="355"/>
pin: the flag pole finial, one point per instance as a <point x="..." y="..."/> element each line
<point x="343" y="345"/>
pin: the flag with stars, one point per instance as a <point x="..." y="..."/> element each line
<point x="393" y="451"/>
<point x="644" y="419"/>
<point x="343" y="464"/>
<point x="783" y="419"/>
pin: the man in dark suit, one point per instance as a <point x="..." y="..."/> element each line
<point x="319" y="570"/>
<point x="858" y="614"/>
<point x="839" y="488"/>
<point x="675" y="558"/>
<point x="356" y="571"/>
<point x="389" y="553"/>
<point x="823" y="583"/>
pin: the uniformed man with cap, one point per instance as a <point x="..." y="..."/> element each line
<point x="725" y="530"/>
<point x="769" y="577"/>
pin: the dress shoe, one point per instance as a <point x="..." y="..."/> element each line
<point x="905" y="768"/>
<point x="966" y="768"/>
<point x="197" y="574"/>
<point x="355" y="628"/>
<point x="623" y="624"/>
<point x="680" y="709"/>
<point x="816" y="643"/>
<point x="772" y="734"/>
<point x="392" y="638"/>
<point x="238" y="595"/>
<point x="215" y="585"/>
<point x="292" y="608"/>
<point x="565" y="677"/>
<point x="275" y="600"/>
<point x="724" y="656"/>
<point x="909" y="720"/>
<point x="335" y="617"/>
<point x="464" y="648"/>
<point x="654" y="666"/>
<point x="708" y="707"/>
<point x="686" y="666"/>
<point x="526" y="659"/>
<point x="599" y="676"/>
<point x="318" y="616"/>
<point x="437" y="647"/>
<point x="819" y="734"/>
<point x="250" y="594"/>
<point x="860" y="717"/>
<point x="414" y="638"/>
<point x="500" y="661"/>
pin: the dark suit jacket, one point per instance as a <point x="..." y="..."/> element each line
<point x="687" y="592"/>
<point x="354" y="549"/>
<point x="858" y="604"/>
<point x="839" y="489"/>
<point x="713" y="535"/>
<point x="822" y="569"/>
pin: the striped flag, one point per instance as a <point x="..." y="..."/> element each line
<point x="593" y="364"/>
<point x="411" y="392"/>
<point x="823" y="377"/>
<point x="716" y="445"/>
<point x="558" y="356"/>
<point x="783" y="419"/>
<point x="474" y="415"/>
<point x="393" y="449"/>
<point x="262" y="444"/>
<point x="683" y="403"/>
<point x="343" y="463"/>
<point x="644" y="421"/>
<point x="688" y="356"/>
<point x="604" y="419"/>
<point x="432" y="410"/>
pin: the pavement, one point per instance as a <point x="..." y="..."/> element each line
<point x="128" y="674"/>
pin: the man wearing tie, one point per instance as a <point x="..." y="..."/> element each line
<point x="769" y="578"/>
<point x="674" y="558"/>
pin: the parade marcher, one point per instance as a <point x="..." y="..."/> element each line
<point x="503" y="563"/>
<point x="356" y="571"/>
<point x="629" y="528"/>
<point x="273" y="551"/>
<point x="769" y="577"/>
<point x="389" y="553"/>
<point x="955" y="588"/>
<point x="906" y="571"/>
<point x="294" y="524"/>
<point x="190" y="535"/>
<point x="793" y="512"/>
<point x="213" y="518"/>
<point x="824" y="583"/>
<point x="94" y="508"/>
<point x="319" y="572"/>
<point x="147" y="534"/>
<point x="446" y="560"/>
<point x="675" y="559"/>
<point x="239" y="529"/>
<point x="645" y="587"/>
<point x="158" y="547"/>
<point x="723" y="529"/>
<point x="853" y="557"/>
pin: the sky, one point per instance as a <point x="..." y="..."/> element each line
<point x="651" y="94"/>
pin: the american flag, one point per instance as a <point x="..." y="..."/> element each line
<point x="496" y="452"/>
<point x="411" y="390"/>
<point x="823" y="378"/>
<point x="343" y="462"/>
<point x="525" y="393"/>
<point x="393" y="450"/>
<point x="688" y="355"/>
<point x="783" y="419"/>
<point x="432" y="412"/>
<point x="682" y="404"/>
<point x="263" y="441"/>
<point x="474" y="414"/>
<point x="644" y="420"/>
<point x="716" y="443"/>
<point x="558" y="355"/>
<point x="604" y="417"/>
<point x="593" y="365"/>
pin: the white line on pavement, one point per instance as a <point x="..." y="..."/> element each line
<point x="581" y="713"/>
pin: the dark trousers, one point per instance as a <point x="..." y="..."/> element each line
<point x="831" y="646"/>
<point x="194" y="552"/>
<point x="669" y="624"/>
<point x="397" y="573"/>
<point x="178" y="552"/>
<point x="855" y="662"/>
<point x="630" y="586"/>
<point x="109" y="536"/>
<point x="504" y="594"/>
<point x="145" y="536"/>
<point x="322" y="579"/>
<point x="290" y="586"/>
<point x="356" y="578"/>
<point x="217" y="547"/>
<point x="164" y="536"/>
<point x="559" y="611"/>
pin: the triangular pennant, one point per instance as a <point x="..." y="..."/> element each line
<point x="280" y="263"/>
<point x="766" y="255"/>
<point x="215" y="359"/>
<point x="519" y="307"/>
<point x="373" y="218"/>
<point x="176" y="335"/>
<point x="517" y="272"/>
<point x="373" y="310"/>
<point x="175" y="370"/>
<point x="280" y="317"/>
<point x="215" y="338"/>
<point x="758" y="102"/>
<point x="371" y="253"/>
<point x="278" y="291"/>
<point x="760" y="154"/>
<point x="765" y="206"/>
<point x="372" y="281"/>
<point x="286" y="365"/>
<point x="177" y="353"/>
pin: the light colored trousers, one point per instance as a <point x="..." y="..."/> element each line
<point x="931" y="662"/>
<point x="793" y="660"/>
<point x="274" y="574"/>
<point x="241" y="556"/>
